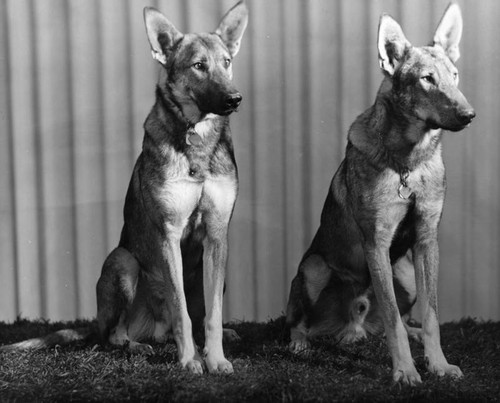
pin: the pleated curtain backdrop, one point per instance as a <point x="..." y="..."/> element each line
<point x="77" y="81"/>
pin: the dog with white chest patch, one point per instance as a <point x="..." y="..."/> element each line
<point x="376" y="249"/>
<point x="167" y="274"/>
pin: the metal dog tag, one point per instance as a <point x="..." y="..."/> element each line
<point x="404" y="192"/>
<point x="193" y="138"/>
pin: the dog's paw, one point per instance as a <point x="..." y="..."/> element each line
<point x="408" y="376"/>
<point x="193" y="366"/>
<point x="445" y="369"/>
<point x="218" y="366"/>
<point x="229" y="335"/>
<point x="300" y="347"/>
<point x="140" y="348"/>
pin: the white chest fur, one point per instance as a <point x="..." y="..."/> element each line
<point x="213" y="196"/>
<point x="205" y="126"/>
<point x="219" y="195"/>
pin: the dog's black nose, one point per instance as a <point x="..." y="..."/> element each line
<point x="467" y="115"/>
<point x="233" y="100"/>
<point x="471" y="114"/>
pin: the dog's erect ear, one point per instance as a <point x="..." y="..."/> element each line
<point x="232" y="27"/>
<point x="161" y="32"/>
<point x="392" y="44"/>
<point x="449" y="31"/>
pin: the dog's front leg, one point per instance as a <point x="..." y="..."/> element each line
<point x="214" y="266"/>
<point x="426" y="262"/>
<point x="189" y="357"/>
<point x="379" y="264"/>
<point x="221" y="196"/>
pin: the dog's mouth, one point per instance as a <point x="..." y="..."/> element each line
<point x="227" y="112"/>
<point x="457" y="127"/>
<point x="458" y="124"/>
<point x="224" y="106"/>
<point x="220" y="112"/>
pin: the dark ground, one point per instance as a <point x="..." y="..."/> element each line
<point x="264" y="370"/>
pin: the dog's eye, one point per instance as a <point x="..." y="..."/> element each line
<point x="428" y="79"/>
<point x="227" y="63"/>
<point x="455" y="76"/>
<point x="199" y="66"/>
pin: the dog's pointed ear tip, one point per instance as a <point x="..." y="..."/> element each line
<point x="241" y="8"/>
<point x="242" y="4"/>
<point x="149" y="11"/>
<point x="386" y="21"/>
<point x="384" y="17"/>
<point x="453" y="10"/>
<point x="453" y="5"/>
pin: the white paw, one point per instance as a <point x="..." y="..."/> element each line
<point x="194" y="366"/>
<point x="140" y="348"/>
<point x="300" y="347"/>
<point x="218" y="365"/>
<point x="408" y="376"/>
<point x="443" y="369"/>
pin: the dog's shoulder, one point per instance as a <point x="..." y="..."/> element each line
<point x="365" y="133"/>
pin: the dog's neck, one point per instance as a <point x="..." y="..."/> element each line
<point x="186" y="115"/>
<point x="167" y="123"/>
<point x="390" y="137"/>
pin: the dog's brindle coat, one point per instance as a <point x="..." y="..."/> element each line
<point x="168" y="270"/>
<point x="384" y="206"/>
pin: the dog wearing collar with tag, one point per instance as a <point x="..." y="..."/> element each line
<point x="376" y="249"/>
<point x="166" y="276"/>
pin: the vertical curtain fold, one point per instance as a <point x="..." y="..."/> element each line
<point x="77" y="81"/>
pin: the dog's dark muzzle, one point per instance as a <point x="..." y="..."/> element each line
<point x="460" y="120"/>
<point x="229" y="104"/>
<point x="466" y="116"/>
<point x="233" y="101"/>
<point x="453" y="111"/>
<point x="220" y="102"/>
<point x="463" y="112"/>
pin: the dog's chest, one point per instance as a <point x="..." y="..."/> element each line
<point x="192" y="188"/>
<point x="206" y="152"/>
<point x="190" y="204"/>
<point x="194" y="179"/>
<point x="427" y="180"/>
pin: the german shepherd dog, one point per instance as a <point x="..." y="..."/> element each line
<point x="167" y="273"/>
<point x="376" y="248"/>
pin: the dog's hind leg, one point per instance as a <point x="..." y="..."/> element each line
<point x="299" y="343"/>
<point x="313" y="276"/>
<point x="405" y="287"/>
<point x="116" y="290"/>
<point x="406" y="292"/>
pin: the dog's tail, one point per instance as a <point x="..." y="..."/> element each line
<point x="61" y="337"/>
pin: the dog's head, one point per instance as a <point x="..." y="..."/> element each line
<point x="425" y="79"/>
<point x="198" y="67"/>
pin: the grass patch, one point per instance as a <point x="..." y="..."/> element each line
<point x="264" y="370"/>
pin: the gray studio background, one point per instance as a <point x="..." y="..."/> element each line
<point x="77" y="81"/>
